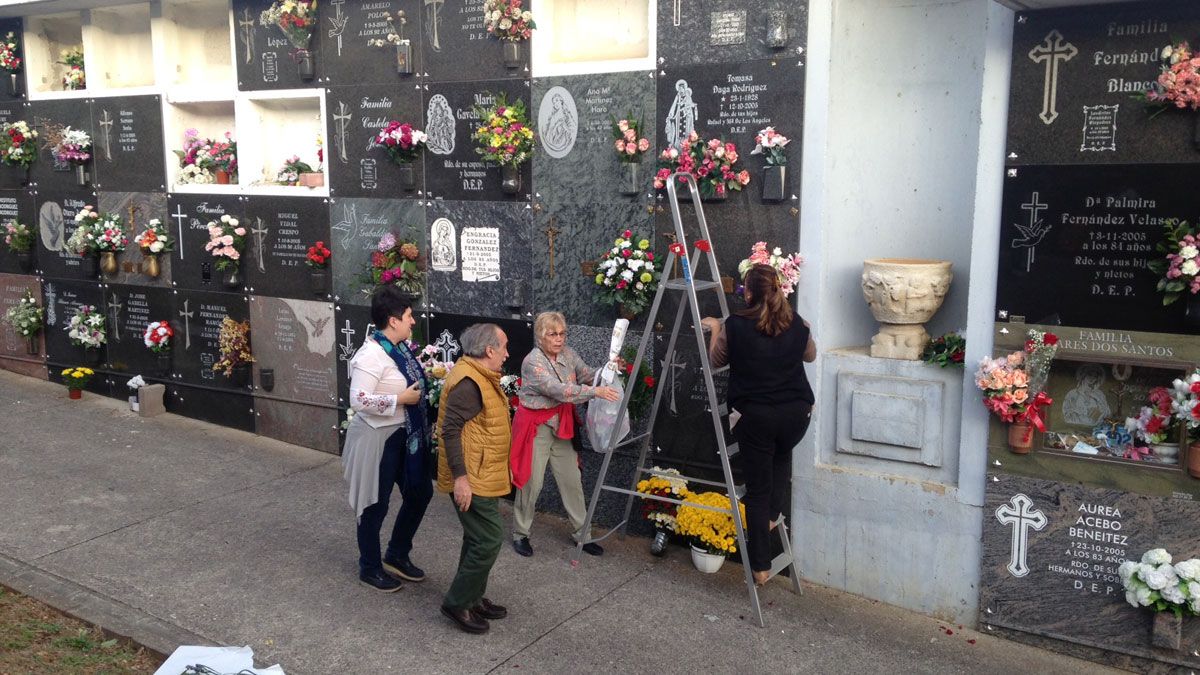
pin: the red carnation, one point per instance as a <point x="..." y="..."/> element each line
<point x="1050" y="339"/>
<point x="649" y="380"/>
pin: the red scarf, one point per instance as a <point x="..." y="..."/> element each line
<point x="524" y="429"/>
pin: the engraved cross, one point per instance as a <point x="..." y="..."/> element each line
<point x="1052" y="51"/>
<point x="179" y="217"/>
<point x="1018" y="514"/>
<point x="186" y="313"/>
<point x="106" y="121"/>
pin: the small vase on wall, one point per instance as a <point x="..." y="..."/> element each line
<point x="304" y="65"/>
<point x="90" y="266"/>
<point x="319" y="282"/>
<point x="164" y="363"/>
<point x="32" y="345"/>
<point x="25" y="261"/>
<point x="152" y="267"/>
<point x="631" y="178"/>
<point x="1020" y="437"/>
<point x="512" y="55"/>
<point x="266" y="378"/>
<point x="14" y="85"/>
<point x="774" y="179"/>
<point x="108" y="262"/>
<point x="510" y="177"/>
<point x="231" y="278"/>
<point x="408" y="177"/>
<point x="404" y="58"/>
<point x="241" y="376"/>
<point x="81" y="175"/>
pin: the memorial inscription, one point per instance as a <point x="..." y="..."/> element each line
<point x="453" y="170"/>
<point x="358" y="166"/>
<point x="279" y="232"/>
<point x="127" y="143"/>
<point x="454" y="34"/>
<point x="198" y="316"/>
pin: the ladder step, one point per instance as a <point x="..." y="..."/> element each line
<point x="722" y="369"/>
<point x="731" y="449"/>
<point x="779" y="563"/>
<point x="683" y="285"/>
<point x="689" y="479"/>
<point x="658" y="498"/>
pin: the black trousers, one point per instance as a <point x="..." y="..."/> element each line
<point x="766" y="435"/>
<point x="412" y="510"/>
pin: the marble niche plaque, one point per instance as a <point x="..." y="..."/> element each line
<point x="356" y="226"/>
<point x="198" y="317"/>
<point x="47" y="173"/>
<point x="55" y="222"/>
<point x="127" y="144"/>
<point x="296" y="344"/>
<point x="136" y="210"/>
<point x="279" y="232"/>
<point x="351" y="27"/>
<point x="12" y="177"/>
<point x="265" y="56"/>
<point x="480" y="258"/>
<point x="14" y="352"/>
<point x="1050" y="556"/>
<point x="684" y="429"/>
<point x="17" y="205"/>
<point x="454" y="35"/>
<point x="1088" y="232"/>
<point x="453" y="170"/>
<point x="1075" y="76"/>
<point x="574" y="158"/>
<point x="352" y="324"/>
<point x="297" y="423"/>
<point x="359" y="167"/>
<point x="581" y="234"/>
<point x="445" y="330"/>
<point x="693" y="32"/>
<point x="187" y="219"/>
<point x="226" y="408"/>
<point x="61" y="299"/>
<point x="130" y="309"/>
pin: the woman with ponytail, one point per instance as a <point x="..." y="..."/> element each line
<point x="765" y="346"/>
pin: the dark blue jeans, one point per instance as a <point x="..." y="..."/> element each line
<point x="412" y="510"/>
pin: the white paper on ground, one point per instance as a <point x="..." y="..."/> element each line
<point x="220" y="659"/>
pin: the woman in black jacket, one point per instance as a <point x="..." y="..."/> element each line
<point x="766" y="346"/>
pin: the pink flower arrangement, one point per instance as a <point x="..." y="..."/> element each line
<point x="628" y="140"/>
<point x="505" y="20"/>
<point x="771" y="143"/>
<point x="1010" y="390"/>
<point x="402" y="142"/>
<point x="1179" y="82"/>
<point x="1154" y="423"/>
<point x="787" y="266"/>
<point x="1179" y="266"/>
<point x="226" y="241"/>
<point x="710" y="162"/>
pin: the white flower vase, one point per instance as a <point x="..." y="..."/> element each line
<point x="706" y="562"/>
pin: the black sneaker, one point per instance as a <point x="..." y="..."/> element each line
<point x="523" y="547"/>
<point x="404" y="569"/>
<point x="380" y="582"/>
<point x="592" y="548"/>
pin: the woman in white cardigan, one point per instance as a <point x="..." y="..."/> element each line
<point x="387" y="442"/>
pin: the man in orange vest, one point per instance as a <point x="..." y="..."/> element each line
<point x="473" y="428"/>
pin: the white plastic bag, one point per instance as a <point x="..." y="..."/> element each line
<point x="602" y="416"/>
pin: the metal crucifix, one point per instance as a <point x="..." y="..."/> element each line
<point x="551" y="232"/>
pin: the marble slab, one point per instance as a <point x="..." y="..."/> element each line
<point x="477" y="230"/>
<point x="453" y="169"/>
<point x="127" y="145"/>
<point x="347" y="53"/>
<point x="280" y="231"/>
<point x="55" y="220"/>
<point x="1050" y="556"/>
<point x="298" y="424"/>
<point x="445" y="329"/>
<point x="353" y="325"/>
<point x="13" y="346"/>
<point x="226" y="408"/>
<point x="187" y="218"/>
<point x="296" y="344"/>
<point x="574" y="158"/>
<point x="198" y="314"/>
<point x="725" y="31"/>
<point x="46" y="173"/>
<point x="456" y="47"/>
<point x="356" y="226"/>
<point x="264" y="55"/>
<point x="130" y="309"/>
<point x="62" y="299"/>
<point x="358" y="167"/>
<point x="136" y="210"/>
<point x="16" y="205"/>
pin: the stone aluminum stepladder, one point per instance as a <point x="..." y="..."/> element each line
<point x="688" y="285"/>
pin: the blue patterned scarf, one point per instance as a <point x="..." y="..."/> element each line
<point x="416" y="422"/>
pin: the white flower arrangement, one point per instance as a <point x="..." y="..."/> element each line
<point x="25" y="317"/>
<point x="136" y="382"/>
<point x="1156" y="583"/>
<point x="86" y="328"/>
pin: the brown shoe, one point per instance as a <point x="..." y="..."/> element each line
<point x="466" y="620"/>
<point x="487" y="609"/>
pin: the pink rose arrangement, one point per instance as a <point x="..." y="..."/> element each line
<point x="1179" y="266"/>
<point x="711" y="162"/>
<point x="1012" y="385"/>
<point x="226" y="241"/>
<point x="402" y="142"/>
<point x="629" y="141"/>
<point x="1179" y="82"/>
<point x="787" y="266"/>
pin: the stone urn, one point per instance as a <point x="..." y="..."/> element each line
<point x="903" y="294"/>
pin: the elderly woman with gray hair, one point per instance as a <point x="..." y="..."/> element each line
<point x="552" y="383"/>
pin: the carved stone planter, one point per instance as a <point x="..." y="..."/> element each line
<point x="903" y="293"/>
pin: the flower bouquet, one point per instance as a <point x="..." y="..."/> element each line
<point x="643" y="390"/>
<point x="317" y="258"/>
<point x="204" y="161"/>
<point x="74" y="78"/>
<point x="135" y="384"/>
<point x="10" y="61"/>
<point x="296" y="19"/>
<point x="1012" y="388"/>
<point x="1185" y="395"/>
<point x="86" y="328"/>
<point x="398" y="262"/>
<point x="404" y="144"/>
<point x="504" y="137"/>
<point x="1153" y="429"/>
<point x="949" y="349"/>
<point x="770" y="144"/>
<point x="709" y="532"/>
<point x="154" y="240"/>
<point x="292" y="168"/>
<point x="630" y="145"/>
<point x="627" y="275"/>
<point x="1156" y="583"/>
<point x="226" y="242"/>
<point x="17" y="147"/>
<point x="98" y="234"/>
<point x="436" y="371"/>
<point x="27" y="319"/>
<point x="710" y="162"/>
<point x="506" y="21"/>
<point x="787" y="266"/>
<point x="662" y="483"/>
<point x="18" y="237"/>
<point x="76" y="379"/>
<point x="511" y="386"/>
<point x="157" y="336"/>
<point x="234" y="344"/>
<point x="71" y="146"/>
<point x="1179" y="266"/>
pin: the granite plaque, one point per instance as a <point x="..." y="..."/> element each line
<point x="574" y="159"/>
<point x="226" y="408"/>
<point x="358" y="166"/>
<point x="352" y="29"/>
<point x="295" y="350"/>
<point x="296" y="423"/>
<point x="1076" y="77"/>
<point x="12" y="344"/>
<point x="265" y="57"/>
<point x="13" y="177"/>
<point x="136" y="210"/>
<point x="1088" y="233"/>
<point x="475" y="287"/>
<point x="187" y="218"/>
<point x="453" y="169"/>
<point x="1050" y="557"/>
<point x="353" y="325"/>
<point x="47" y="173"/>
<point x="692" y="32"/>
<point x="684" y="428"/>
<point x="454" y="35"/>
<point x="55" y="222"/>
<point x="445" y="329"/>
<point x="62" y="299"/>
<point x="130" y="309"/>
<point x="279" y="232"/>
<point x="198" y="316"/>
<point x="17" y="205"/>
<point x="127" y="146"/>
<point x="356" y="227"/>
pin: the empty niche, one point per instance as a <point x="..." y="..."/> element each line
<point x="273" y="127"/>
<point x="584" y="36"/>
<point x="46" y="38"/>
<point x="117" y="47"/>
<point x="196" y="51"/>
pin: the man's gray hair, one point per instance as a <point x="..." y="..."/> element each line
<point x="478" y="337"/>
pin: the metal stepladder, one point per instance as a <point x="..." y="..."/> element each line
<point x="688" y="285"/>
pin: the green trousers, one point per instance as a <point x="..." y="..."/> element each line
<point x="482" y="538"/>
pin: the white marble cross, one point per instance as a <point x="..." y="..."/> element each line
<point x="342" y="119"/>
<point x="1053" y="51"/>
<point x="448" y="346"/>
<point x="106" y="121"/>
<point x="260" y="237"/>
<point x="1018" y="514"/>
<point x="186" y="313"/>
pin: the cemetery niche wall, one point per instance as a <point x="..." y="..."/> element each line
<point x="1093" y="186"/>
<point x="215" y="75"/>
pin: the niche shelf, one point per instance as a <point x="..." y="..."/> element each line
<point x="45" y="39"/>
<point x="273" y="126"/>
<point x="194" y="51"/>
<point x="118" y="49"/>
<point x="212" y="119"/>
